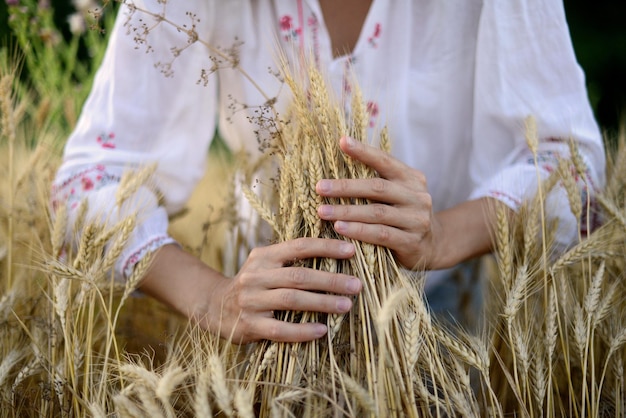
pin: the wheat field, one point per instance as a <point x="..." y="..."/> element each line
<point x="76" y="343"/>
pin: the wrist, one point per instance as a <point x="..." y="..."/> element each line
<point x="461" y="233"/>
<point x="440" y="252"/>
<point x="185" y="284"/>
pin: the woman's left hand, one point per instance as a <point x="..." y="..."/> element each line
<point x="400" y="216"/>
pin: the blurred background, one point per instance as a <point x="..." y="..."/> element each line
<point x="598" y="31"/>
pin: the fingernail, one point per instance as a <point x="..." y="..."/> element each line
<point x="325" y="210"/>
<point x="344" y="304"/>
<point x="324" y="185"/>
<point x="353" y="285"/>
<point x="349" y="141"/>
<point x="320" y="330"/>
<point x="341" y="226"/>
<point x="346" y="247"/>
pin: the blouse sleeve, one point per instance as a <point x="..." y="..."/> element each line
<point x="526" y="67"/>
<point x="151" y="103"/>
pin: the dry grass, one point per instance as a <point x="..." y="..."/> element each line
<point x="73" y="342"/>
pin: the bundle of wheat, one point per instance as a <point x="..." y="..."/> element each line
<point x="384" y="357"/>
<point x="554" y="335"/>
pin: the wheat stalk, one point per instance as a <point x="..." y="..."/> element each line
<point x="167" y="384"/>
<point x="201" y="404"/>
<point x="132" y="181"/>
<point x="243" y="402"/>
<point x="573" y="192"/>
<point x="10" y="360"/>
<point x="7" y="125"/>
<point x="223" y="396"/>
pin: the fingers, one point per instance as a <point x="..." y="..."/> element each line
<point x="283" y="253"/>
<point x="376" y="234"/>
<point x="385" y="165"/>
<point x="275" y="330"/>
<point x="302" y="278"/>
<point x="397" y="184"/>
<point x="264" y="285"/>
<point x="297" y="289"/>
<point x="374" y="213"/>
<point x="288" y="289"/>
<point x="375" y="189"/>
<point x="286" y="299"/>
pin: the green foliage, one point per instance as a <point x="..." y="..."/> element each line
<point x="58" y="66"/>
<point x="599" y="36"/>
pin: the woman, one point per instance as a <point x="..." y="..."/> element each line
<point x="453" y="80"/>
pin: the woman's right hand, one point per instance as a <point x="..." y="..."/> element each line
<point x="241" y="308"/>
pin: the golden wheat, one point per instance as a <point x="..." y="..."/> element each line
<point x="61" y="316"/>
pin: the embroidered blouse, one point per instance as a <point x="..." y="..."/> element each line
<point x="453" y="80"/>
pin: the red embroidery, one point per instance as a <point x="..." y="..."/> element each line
<point x="375" y="36"/>
<point x="347" y="86"/>
<point x="285" y="22"/>
<point x="372" y="109"/>
<point x="377" y="30"/>
<point x="286" y="26"/>
<point x="73" y="189"/>
<point x="106" y="141"/>
<point x="314" y="26"/>
<point x="87" y="183"/>
<point x="505" y="196"/>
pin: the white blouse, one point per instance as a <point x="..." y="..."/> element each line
<point x="453" y="80"/>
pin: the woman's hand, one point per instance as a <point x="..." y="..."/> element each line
<point x="400" y="216"/>
<point x="241" y="308"/>
<point x="264" y="285"/>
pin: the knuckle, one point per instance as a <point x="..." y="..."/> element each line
<point x="334" y="281"/>
<point x="287" y="298"/>
<point x="299" y="245"/>
<point x="379" y="212"/>
<point x="243" y="281"/>
<point x="243" y="300"/>
<point x="298" y="277"/>
<point x="244" y="324"/>
<point x="420" y="177"/>
<point x="419" y="226"/>
<point x="256" y="252"/>
<point x="424" y="222"/>
<point x="343" y="211"/>
<point x="342" y="185"/>
<point x="427" y="201"/>
<point x="379" y="185"/>
<point x="274" y="331"/>
<point x="383" y="235"/>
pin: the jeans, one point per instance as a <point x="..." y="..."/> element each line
<point x="456" y="299"/>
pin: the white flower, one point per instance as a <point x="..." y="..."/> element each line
<point x="77" y="23"/>
<point x="84" y="5"/>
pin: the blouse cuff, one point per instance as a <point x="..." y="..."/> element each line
<point x="518" y="183"/>
<point x="98" y="186"/>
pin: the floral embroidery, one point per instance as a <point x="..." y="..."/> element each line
<point x="314" y="26"/>
<point x="547" y="160"/>
<point x="505" y="197"/>
<point x="285" y="22"/>
<point x="87" y="183"/>
<point x="290" y="33"/>
<point x="346" y="85"/>
<point x="73" y="189"/>
<point x="372" y="109"/>
<point x="106" y="140"/>
<point x="149" y="247"/>
<point x="373" y="40"/>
